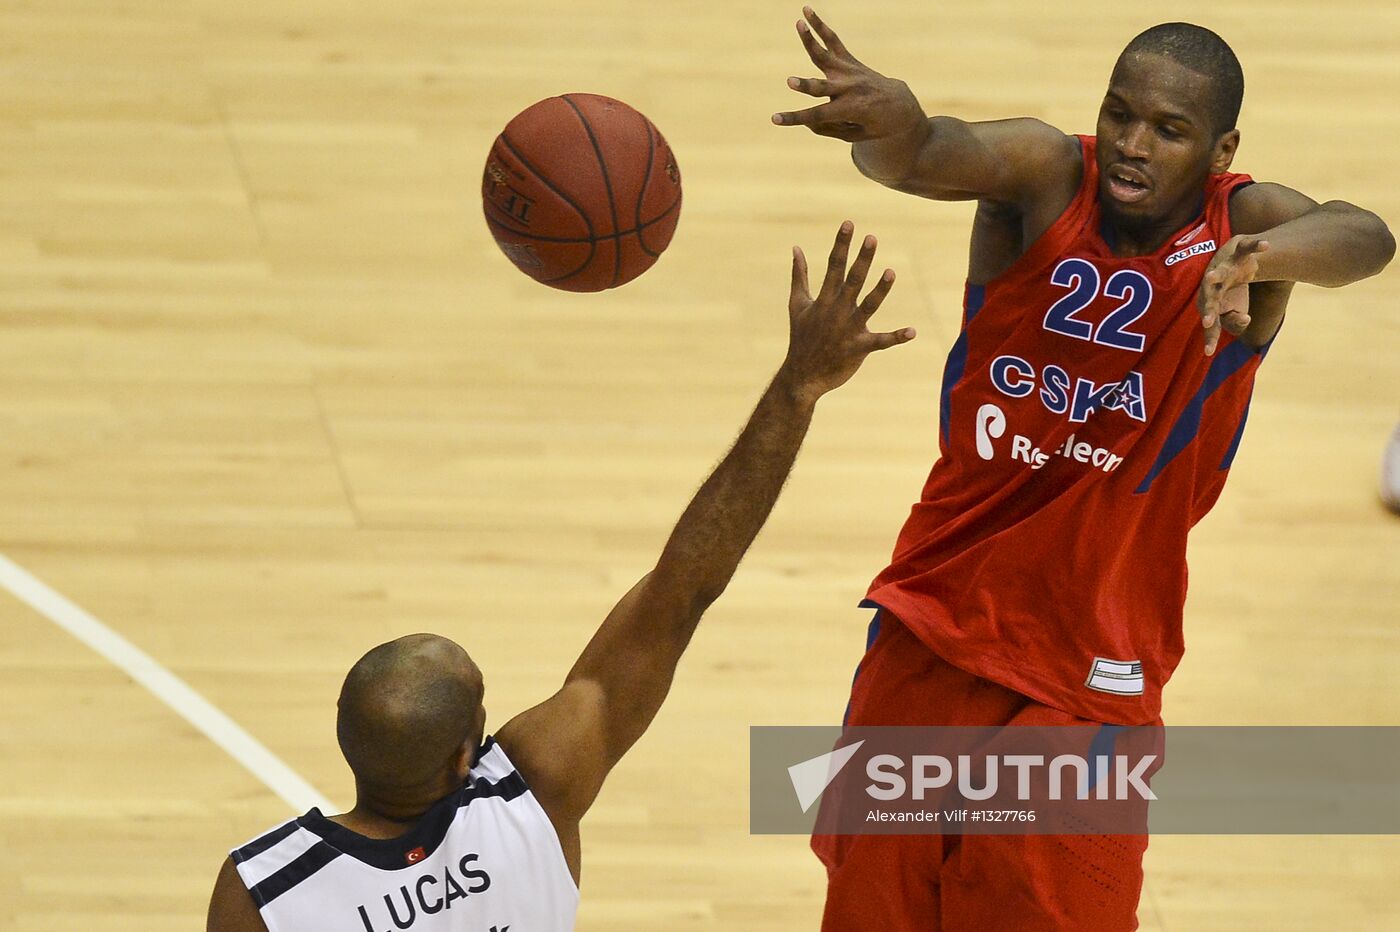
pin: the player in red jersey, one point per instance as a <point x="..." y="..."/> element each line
<point x="1085" y="427"/>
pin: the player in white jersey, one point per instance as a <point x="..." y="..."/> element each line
<point x="482" y="857"/>
<point x="453" y="830"/>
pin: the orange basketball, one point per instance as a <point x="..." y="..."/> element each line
<point x="581" y="192"/>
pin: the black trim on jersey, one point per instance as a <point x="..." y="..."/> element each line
<point x="258" y="845"/>
<point x="509" y="787"/>
<point x="390" y="854"/>
<point x="312" y="860"/>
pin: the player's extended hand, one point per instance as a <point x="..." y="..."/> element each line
<point x="828" y="338"/>
<point x="864" y="103"/>
<point x="1224" y="296"/>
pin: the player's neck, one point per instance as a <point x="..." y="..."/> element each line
<point x="1144" y="237"/>
<point x="381" y="820"/>
<point x="372" y="824"/>
<point x="387" y="816"/>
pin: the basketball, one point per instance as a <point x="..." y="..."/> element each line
<point x="581" y="192"/>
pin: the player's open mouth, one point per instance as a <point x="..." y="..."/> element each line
<point x="1126" y="185"/>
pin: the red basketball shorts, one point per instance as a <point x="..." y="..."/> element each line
<point x="962" y="883"/>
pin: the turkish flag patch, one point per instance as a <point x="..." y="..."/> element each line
<point x="416" y="855"/>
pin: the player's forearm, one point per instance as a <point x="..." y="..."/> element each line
<point x="1333" y="244"/>
<point x="942" y="158"/>
<point x="628" y="665"/>
<point x="653" y="624"/>
<point x="730" y="508"/>
<point x="948" y="159"/>
<point x="622" y="677"/>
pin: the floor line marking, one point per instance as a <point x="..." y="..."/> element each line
<point x="165" y="686"/>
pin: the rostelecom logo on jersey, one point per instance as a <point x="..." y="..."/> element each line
<point x="991" y="424"/>
<point x="990" y="427"/>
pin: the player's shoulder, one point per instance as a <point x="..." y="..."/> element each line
<point x="1264" y="205"/>
<point x="1041" y="138"/>
<point x="493" y="764"/>
<point x="272" y="838"/>
<point x="1039" y="167"/>
<point x="1031" y="142"/>
<point x="231" y="906"/>
<point x="1032" y="129"/>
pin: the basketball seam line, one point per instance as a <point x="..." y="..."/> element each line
<point x="607" y="184"/>
<point x="586" y="239"/>
<point x="547" y="183"/>
<point x="641" y="194"/>
<point x="592" y="242"/>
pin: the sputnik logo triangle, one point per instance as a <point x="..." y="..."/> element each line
<point x="811" y="777"/>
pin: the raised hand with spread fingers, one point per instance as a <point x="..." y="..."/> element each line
<point x="864" y="104"/>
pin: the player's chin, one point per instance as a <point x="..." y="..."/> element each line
<point x="1135" y="211"/>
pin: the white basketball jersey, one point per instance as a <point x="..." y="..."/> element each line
<point x="484" y="859"/>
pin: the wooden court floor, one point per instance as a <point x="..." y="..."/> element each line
<point x="270" y="395"/>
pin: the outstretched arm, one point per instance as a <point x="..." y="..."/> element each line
<point x="1282" y="237"/>
<point x="568" y="744"/>
<point x="944" y="158"/>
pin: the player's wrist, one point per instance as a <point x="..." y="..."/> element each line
<point x="892" y="155"/>
<point x="794" y="390"/>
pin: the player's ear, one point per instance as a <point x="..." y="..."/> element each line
<point x="462" y="760"/>
<point x="1224" y="154"/>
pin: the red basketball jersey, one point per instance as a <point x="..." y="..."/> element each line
<point x="1083" y="431"/>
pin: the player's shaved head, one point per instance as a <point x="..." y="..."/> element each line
<point x="1204" y="52"/>
<point x="406" y="708"/>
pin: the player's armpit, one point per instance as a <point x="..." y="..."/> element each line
<point x="231" y="908"/>
<point x="1018" y="162"/>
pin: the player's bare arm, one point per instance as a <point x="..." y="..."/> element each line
<point x="1021" y="162"/>
<point x="231" y="909"/>
<point x="1283" y="237"/>
<point x="566" y="746"/>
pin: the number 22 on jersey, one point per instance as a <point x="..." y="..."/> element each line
<point x="1083" y="280"/>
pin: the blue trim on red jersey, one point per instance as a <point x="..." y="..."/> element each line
<point x="1102" y="746"/>
<point x="871" y="634"/>
<point x="1263" y="351"/>
<point x="973" y="298"/>
<point x="1231" y="360"/>
<point x="1235" y="443"/>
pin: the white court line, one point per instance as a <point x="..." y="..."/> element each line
<point x="165" y="686"/>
